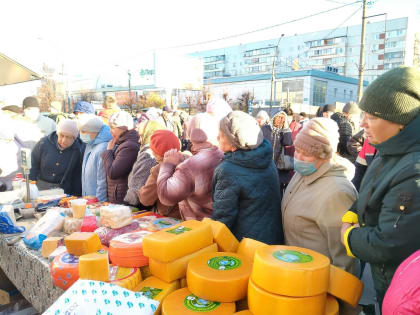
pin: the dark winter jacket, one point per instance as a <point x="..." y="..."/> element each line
<point x="56" y="166"/>
<point x="345" y="129"/>
<point x="118" y="163"/>
<point x="388" y="207"/>
<point x="246" y="195"/>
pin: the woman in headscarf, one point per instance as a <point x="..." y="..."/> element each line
<point x="145" y="161"/>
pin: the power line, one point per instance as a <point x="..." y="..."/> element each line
<point x="341" y="24"/>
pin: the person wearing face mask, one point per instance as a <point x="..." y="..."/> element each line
<point x="382" y="226"/>
<point x="57" y="160"/>
<point x="145" y="161"/>
<point x="96" y="135"/>
<point x="120" y="155"/>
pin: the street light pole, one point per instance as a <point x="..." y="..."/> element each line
<point x="273" y="70"/>
<point x="362" y="54"/>
<point x="129" y="87"/>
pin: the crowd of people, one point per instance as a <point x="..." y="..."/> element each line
<point x="346" y="184"/>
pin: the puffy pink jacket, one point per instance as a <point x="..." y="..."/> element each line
<point x="189" y="183"/>
<point x="403" y="295"/>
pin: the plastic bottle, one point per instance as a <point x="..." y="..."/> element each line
<point x="17" y="181"/>
<point x="33" y="189"/>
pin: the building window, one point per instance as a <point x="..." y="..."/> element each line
<point x="351" y="94"/>
<point x="392" y="55"/>
<point x="345" y="94"/>
<point x="291" y="91"/>
<point x="319" y="92"/>
<point x="395" y="33"/>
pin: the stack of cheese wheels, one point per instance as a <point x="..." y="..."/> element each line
<point x="331" y="307"/>
<point x="184" y="302"/>
<point x="220" y="277"/>
<point x="288" y="280"/>
<point x="345" y="286"/>
<point x="126" y="250"/>
<point x="223" y="237"/>
<point x="170" y="250"/>
<point x="65" y="270"/>
<point x="248" y="247"/>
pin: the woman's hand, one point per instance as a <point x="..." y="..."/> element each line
<point x="173" y="156"/>
<point x="345" y="227"/>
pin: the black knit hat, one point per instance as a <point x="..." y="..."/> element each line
<point x="394" y="96"/>
<point x="30" y="101"/>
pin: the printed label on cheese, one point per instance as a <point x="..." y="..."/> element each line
<point x="69" y="259"/>
<point x="132" y="238"/>
<point x="179" y="230"/>
<point x="224" y="263"/>
<point x="291" y="256"/>
<point x="150" y="292"/>
<point x="165" y="223"/>
<point x="196" y="304"/>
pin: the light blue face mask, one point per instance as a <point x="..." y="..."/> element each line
<point x="304" y="168"/>
<point x="85" y="137"/>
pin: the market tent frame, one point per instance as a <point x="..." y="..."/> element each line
<point x="12" y="72"/>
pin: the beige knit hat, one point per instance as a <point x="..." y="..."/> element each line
<point x="318" y="137"/>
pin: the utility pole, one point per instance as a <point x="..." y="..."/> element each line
<point x="129" y="89"/>
<point x="273" y="71"/>
<point x="362" y="54"/>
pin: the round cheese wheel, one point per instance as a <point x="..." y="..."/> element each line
<point x="291" y="271"/>
<point x="221" y="277"/>
<point x="127" y="278"/>
<point x="65" y="270"/>
<point x="126" y="250"/>
<point x="183" y="302"/>
<point x="331" y="308"/>
<point x="345" y="286"/>
<point x="263" y="302"/>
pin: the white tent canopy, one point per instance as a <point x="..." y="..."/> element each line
<point x="12" y="72"/>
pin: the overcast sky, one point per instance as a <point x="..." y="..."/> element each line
<point x="90" y="35"/>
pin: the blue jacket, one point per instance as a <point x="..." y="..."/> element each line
<point x="84" y="107"/>
<point x="93" y="172"/>
<point x="246" y="195"/>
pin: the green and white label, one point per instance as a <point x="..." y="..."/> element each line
<point x="150" y="292"/>
<point x="179" y="230"/>
<point x="292" y="256"/>
<point x="224" y="263"/>
<point x="195" y="304"/>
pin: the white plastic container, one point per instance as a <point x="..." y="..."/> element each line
<point x="78" y="206"/>
<point x="33" y="189"/>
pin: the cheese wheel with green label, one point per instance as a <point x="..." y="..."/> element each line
<point x="156" y="289"/>
<point x="291" y="271"/>
<point x="176" y="269"/>
<point x="226" y="241"/>
<point x="263" y="302"/>
<point x="345" y="286"/>
<point x="94" y="266"/>
<point x="331" y="307"/>
<point x="221" y="277"/>
<point x="248" y="247"/>
<point x="178" y="241"/>
<point x="184" y="302"/>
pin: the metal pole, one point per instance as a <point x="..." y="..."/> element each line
<point x="362" y="53"/>
<point x="129" y="88"/>
<point x="273" y="73"/>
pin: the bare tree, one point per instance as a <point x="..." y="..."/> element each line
<point x="242" y="102"/>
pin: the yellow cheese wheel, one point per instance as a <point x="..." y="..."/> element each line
<point x="156" y="289"/>
<point x="94" y="266"/>
<point x="178" y="241"/>
<point x="331" y="307"/>
<point x="81" y="243"/>
<point x="221" y="277"/>
<point x="183" y="283"/>
<point x="224" y="238"/>
<point x="127" y="278"/>
<point x="145" y="272"/>
<point x="49" y="245"/>
<point x="248" y="247"/>
<point x="183" y="302"/>
<point x="176" y="269"/>
<point x="291" y="271"/>
<point x="345" y="286"/>
<point x="245" y="312"/>
<point x="263" y="302"/>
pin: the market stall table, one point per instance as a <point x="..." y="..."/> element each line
<point x="29" y="272"/>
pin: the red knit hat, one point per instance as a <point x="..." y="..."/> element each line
<point x="164" y="140"/>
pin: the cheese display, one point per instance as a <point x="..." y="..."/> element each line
<point x="224" y="238"/>
<point x="81" y="243"/>
<point x="248" y="247"/>
<point x="94" y="266"/>
<point x="127" y="278"/>
<point x="345" y="286"/>
<point x="221" y="276"/>
<point x="178" y="241"/>
<point x="164" y="223"/>
<point x="263" y="302"/>
<point x="156" y="289"/>
<point x="145" y="271"/>
<point x="291" y="271"/>
<point x="331" y="307"/>
<point x="49" y="245"/>
<point x="126" y="250"/>
<point x="176" y="269"/>
<point x="58" y="251"/>
<point x="115" y="216"/>
<point x="107" y="234"/>
<point x="65" y="270"/>
<point x="72" y="225"/>
<point x="183" y="302"/>
<point x="89" y="224"/>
